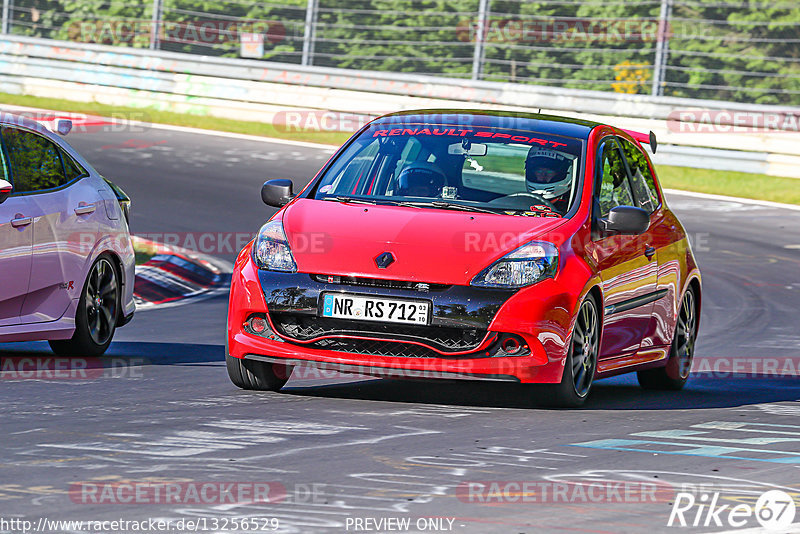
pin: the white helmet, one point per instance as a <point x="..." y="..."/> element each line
<point x="547" y="173"/>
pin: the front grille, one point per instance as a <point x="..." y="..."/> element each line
<point x="376" y="282"/>
<point x="376" y="348"/>
<point x="445" y="339"/>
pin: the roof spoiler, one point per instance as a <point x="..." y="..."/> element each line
<point x="644" y="138"/>
<point x="63" y="126"/>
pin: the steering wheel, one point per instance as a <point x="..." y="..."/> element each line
<point x="523" y="201"/>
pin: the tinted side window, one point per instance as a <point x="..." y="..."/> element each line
<point x="71" y="167"/>
<point x="644" y="186"/>
<point x="614" y="187"/>
<point x="35" y="161"/>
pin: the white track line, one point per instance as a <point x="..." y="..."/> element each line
<point x="244" y="137"/>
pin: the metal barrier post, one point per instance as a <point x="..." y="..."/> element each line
<point x="309" y="31"/>
<point x="6" y="16"/>
<point x="480" y="36"/>
<point x="155" y="30"/>
<point x="662" y="47"/>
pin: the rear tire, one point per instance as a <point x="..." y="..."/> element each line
<point x="674" y="375"/>
<point x="97" y="314"/>
<point x="256" y="375"/>
<point x="579" y="369"/>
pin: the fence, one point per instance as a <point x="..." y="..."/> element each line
<point x="735" y="50"/>
<point x="267" y="92"/>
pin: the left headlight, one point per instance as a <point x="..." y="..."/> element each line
<point x="271" y="250"/>
<point x="530" y="263"/>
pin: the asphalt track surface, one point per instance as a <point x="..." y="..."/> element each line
<point x="353" y="449"/>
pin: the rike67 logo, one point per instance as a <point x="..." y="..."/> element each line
<point x="774" y="511"/>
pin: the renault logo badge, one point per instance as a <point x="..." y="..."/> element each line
<point x="384" y="260"/>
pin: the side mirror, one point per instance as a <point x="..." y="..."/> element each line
<point x="5" y="190"/>
<point x="277" y="192"/>
<point x="627" y="220"/>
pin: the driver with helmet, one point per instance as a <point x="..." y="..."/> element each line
<point x="547" y="174"/>
<point x="420" y="179"/>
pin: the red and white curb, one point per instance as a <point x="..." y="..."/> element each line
<point x="174" y="276"/>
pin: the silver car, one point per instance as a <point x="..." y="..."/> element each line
<point x="66" y="257"/>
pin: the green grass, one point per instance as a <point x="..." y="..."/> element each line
<point x="730" y="183"/>
<point x="142" y="252"/>
<point x="735" y="184"/>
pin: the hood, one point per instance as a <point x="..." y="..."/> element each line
<point x="428" y="244"/>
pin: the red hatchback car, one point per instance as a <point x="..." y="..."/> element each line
<point x="471" y="245"/>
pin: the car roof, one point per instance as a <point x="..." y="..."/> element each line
<point x="515" y="120"/>
<point x="12" y="119"/>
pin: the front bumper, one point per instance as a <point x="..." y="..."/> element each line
<point x="472" y="321"/>
<point x="125" y="319"/>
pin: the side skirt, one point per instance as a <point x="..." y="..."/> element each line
<point x="638" y="361"/>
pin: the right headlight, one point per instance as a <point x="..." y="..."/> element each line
<point x="271" y="250"/>
<point x="530" y="263"/>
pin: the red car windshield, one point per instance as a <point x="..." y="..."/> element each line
<point x="509" y="171"/>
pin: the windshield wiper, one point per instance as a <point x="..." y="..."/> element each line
<point x="349" y="200"/>
<point x="448" y="205"/>
<point x="377" y="202"/>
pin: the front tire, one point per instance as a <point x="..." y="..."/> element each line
<point x="256" y="375"/>
<point x="97" y="313"/>
<point x="674" y="375"/>
<point x="579" y="369"/>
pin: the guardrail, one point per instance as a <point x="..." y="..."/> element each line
<point x="257" y="91"/>
<point x="729" y="50"/>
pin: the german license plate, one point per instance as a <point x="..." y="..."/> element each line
<point x="367" y="308"/>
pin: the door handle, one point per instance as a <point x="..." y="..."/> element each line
<point x="85" y="209"/>
<point x="21" y="221"/>
<point x="650" y="252"/>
